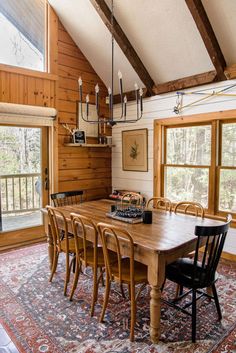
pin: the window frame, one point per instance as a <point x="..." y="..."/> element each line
<point x="216" y="120"/>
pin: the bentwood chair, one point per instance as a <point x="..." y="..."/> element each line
<point x="62" y="243"/>
<point x="88" y="256"/>
<point x="67" y="198"/>
<point x="124" y="271"/>
<point x="132" y="198"/>
<point x="159" y="202"/>
<point x="187" y="207"/>
<point x="199" y="272"/>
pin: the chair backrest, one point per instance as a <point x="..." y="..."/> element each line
<point x="67" y="198"/>
<point x="58" y="223"/>
<point x="205" y="263"/>
<point x="159" y="202"/>
<point x="81" y="225"/>
<point x="190" y="208"/>
<point x="132" y="198"/>
<point x="116" y="235"/>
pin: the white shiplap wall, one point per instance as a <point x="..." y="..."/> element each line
<point x="159" y="107"/>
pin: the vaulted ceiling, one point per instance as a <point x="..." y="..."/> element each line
<point x="173" y="39"/>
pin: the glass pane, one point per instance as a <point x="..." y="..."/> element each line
<point x="187" y="184"/>
<point x="22" y="33"/>
<point x="20" y="177"/>
<point x="229" y="144"/>
<point x="227" y="200"/>
<point x="189" y="145"/>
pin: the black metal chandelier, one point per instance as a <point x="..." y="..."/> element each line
<point x="123" y="98"/>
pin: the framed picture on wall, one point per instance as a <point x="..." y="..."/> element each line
<point x="79" y="137"/>
<point x="135" y="150"/>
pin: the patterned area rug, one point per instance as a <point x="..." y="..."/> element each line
<point x="38" y="318"/>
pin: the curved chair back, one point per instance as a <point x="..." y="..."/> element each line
<point x="57" y="218"/>
<point x="205" y="264"/>
<point x="131" y="197"/>
<point x="115" y="235"/>
<point x="67" y="198"/>
<point x="159" y="202"/>
<point x="81" y="225"/>
<point x="190" y="208"/>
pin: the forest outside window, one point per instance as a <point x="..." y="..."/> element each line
<point x="199" y="164"/>
<point x="23" y="33"/>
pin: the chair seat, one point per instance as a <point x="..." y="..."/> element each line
<point x="71" y="243"/>
<point x="140" y="271"/>
<point x="101" y="262"/>
<point x="181" y="272"/>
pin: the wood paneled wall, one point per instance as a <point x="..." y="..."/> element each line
<point x="88" y="169"/>
<point x="22" y="86"/>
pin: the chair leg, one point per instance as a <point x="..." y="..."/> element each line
<point x="122" y="291"/>
<point x="133" y="312"/>
<point x="95" y="290"/>
<point x="54" y="265"/>
<point x="194" y="315"/>
<point x="106" y="297"/>
<point x="67" y="279"/>
<point x="216" y="301"/>
<point x="129" y="291"/>
<point x="76" y="277"/>
<point x="101" y="272"/>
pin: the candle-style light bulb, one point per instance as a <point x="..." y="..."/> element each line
<point x="80" y="91"/>
<point x="97" y="88"/>
<point x="80" y="81"/>
<point x="141" y="92"/>
<point x="87" y="98"/>
<point x="96" y="96"/>
<point x="119" y="74"/>
<point x="109" y="91"/>
<point x="136" y="86"/>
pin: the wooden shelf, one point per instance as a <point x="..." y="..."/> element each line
<point x="87" y="145"/>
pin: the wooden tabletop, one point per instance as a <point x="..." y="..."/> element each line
<point x="167" y="232"/>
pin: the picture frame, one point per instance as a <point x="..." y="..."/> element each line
<point x="79" y="137"/>
<point x="135" y="150"/>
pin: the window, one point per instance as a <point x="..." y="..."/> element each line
<point x="197" y="162"/>
<point x="187" y="163"/>
<point x="22" y="33"/>
<point x="227" y="168"/>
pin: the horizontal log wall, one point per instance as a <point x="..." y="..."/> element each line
<point x="89" y="168"/>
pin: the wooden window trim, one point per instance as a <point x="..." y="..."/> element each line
<point x="216" y="119"/>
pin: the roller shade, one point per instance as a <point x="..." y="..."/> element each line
<point x="19" y="114"/>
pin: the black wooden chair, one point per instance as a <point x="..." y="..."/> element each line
<point x="67" y="198"/>
<point x="199" y="272"/>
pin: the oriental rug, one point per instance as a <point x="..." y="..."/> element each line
<point x="38" y="318"/>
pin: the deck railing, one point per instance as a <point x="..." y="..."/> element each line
<point x="20" y="193"/>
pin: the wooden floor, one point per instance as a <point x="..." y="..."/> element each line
<point x="21" y="221"/>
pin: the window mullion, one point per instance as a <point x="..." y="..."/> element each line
<point x="213" y="186"/>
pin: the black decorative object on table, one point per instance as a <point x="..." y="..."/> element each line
<point x="147" y="217"/>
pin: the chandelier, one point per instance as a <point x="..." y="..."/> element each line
<point x="98" y="119"/>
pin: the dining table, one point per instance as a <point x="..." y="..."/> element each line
<point x="167" y="238"/>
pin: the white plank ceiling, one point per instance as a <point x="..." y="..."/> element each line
<point x="162" y="32"/>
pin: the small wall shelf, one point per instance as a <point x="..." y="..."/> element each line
<point x="87" y="145"/>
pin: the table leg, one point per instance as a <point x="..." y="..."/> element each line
<point x="156" y="277"/>
<point x="155" y="313"/>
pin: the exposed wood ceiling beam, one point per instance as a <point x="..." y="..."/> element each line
<point x="176" y="85"/>
<point x="187" y="82"/>
<point x="208" y="36"/>
<point x="125" y="45"/>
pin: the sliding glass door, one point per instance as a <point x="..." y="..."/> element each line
<point x="23" y="176"/>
